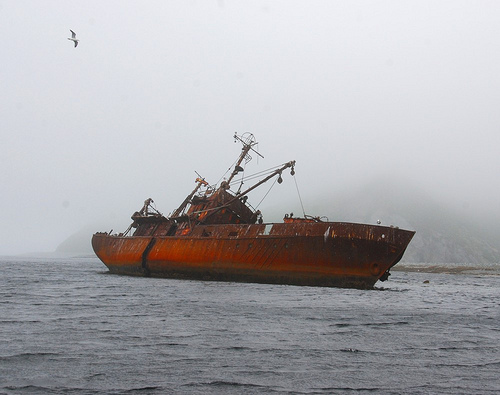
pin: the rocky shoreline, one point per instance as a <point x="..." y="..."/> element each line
<point x="492" y="269"/>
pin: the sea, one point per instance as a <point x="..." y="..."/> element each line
<point x="67" y="326"/>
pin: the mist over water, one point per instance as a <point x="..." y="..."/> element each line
<point x="390" y="109"/>
<point x="68" y="326"/>
<point x="154" y="91"/>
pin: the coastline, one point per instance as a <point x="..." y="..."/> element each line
<point x="449" y="268"/>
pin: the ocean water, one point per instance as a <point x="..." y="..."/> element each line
<point x="69" y="327"/>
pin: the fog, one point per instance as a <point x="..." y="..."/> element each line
<point x="354" y="91"/>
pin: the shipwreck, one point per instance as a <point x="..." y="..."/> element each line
<point x="215" y="234"/>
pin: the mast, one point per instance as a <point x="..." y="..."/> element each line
<point x="200" y="182"/>
<point x="248" y="141"/>
<point x="239" y="196"/>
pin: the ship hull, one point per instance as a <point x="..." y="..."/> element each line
<point x="314" y="254"/>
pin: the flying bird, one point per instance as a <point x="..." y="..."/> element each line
<point x="73" y="37"/>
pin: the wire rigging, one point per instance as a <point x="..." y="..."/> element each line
<point x="255" y="175"/>
<point x="300" y="198"/>
<point x="267" y="193"/>
<point x="227" y="171"/>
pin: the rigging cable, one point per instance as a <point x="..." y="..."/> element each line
<point x="255" y="175"/>
<point x="298" y="192"/>
<point x="227" y="171"/>
<point x="267" y="193"/>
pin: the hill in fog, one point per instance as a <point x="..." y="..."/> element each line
<point x="78" y="243"/>
<point x="443" y="235"/>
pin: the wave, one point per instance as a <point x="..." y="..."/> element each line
<point x="27" y="356"/>
<point x="39" y="389"/>
<point x="226" y="383"/>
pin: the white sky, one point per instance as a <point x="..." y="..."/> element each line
<point x="353" y="90"/>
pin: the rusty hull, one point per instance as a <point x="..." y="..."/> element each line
<point x="299" y="253"/>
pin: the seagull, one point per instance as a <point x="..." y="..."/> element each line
<point x="73" y="37"/>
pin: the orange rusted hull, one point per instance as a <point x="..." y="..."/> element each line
<point x="301" y="253"/>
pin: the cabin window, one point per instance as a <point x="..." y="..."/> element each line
<point x="233" y="234"/>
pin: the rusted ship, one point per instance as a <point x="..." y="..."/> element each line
<point x="215" y="234"/>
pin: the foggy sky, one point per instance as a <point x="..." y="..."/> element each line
<point x="352" y="90"/>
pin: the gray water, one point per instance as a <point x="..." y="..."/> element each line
<point x="67" y="326"/>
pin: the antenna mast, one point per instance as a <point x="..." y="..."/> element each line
<point x="248" y="141"/>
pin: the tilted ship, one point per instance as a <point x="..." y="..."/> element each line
<point x="215" y="234"/>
